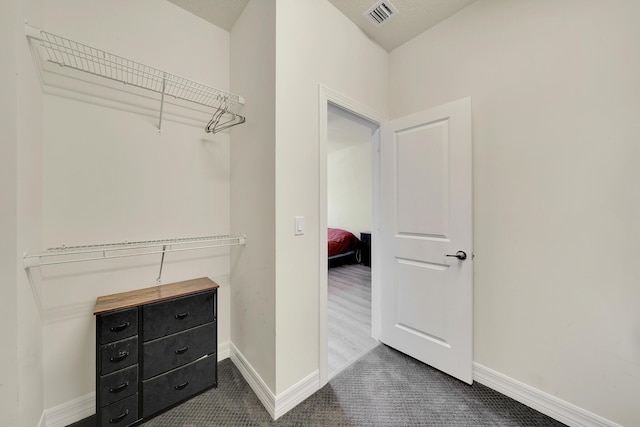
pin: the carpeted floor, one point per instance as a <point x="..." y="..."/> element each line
<point x="384" y="388"/>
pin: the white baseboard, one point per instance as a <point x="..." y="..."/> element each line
<point x="85" y="406"/>
<point x="278" y="405"/>
<point x="565" y="412"/>
<point x="257" y="384"/>
<point x="546" y="403"/>
<point x="224" y="350"/>
<point x="288" y="399"/>
<point x="69" y="412"/>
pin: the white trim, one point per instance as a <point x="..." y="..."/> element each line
<point x="323" y="345"/>
<point x="565" y="412"/>
<point x="259" y="387"/>
<point x="376" y="301"/>
<point x="328" y="96"/>
<point x="85" y="406"/>
<point x="546" y="403"/>
<point x="278" y="405"/>
<point x="346" y="103"/>
<point x="70" y="412"/>
<point x="295" y="394"/>
<point x="224" y="350"/>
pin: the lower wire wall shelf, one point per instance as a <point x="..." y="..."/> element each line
<point x="71" y="254"/>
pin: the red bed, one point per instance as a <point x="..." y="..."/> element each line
<point x="343" y="246"/>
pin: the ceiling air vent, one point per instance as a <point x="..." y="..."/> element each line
<point x="381" y="12"/>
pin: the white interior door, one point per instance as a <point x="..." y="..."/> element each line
<point x="426" y="201"/>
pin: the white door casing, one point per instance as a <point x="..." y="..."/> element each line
<point x="328" y="96"/>
<point x="426" y="203"/>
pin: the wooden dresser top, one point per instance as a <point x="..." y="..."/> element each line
<point x="107" y="303"/>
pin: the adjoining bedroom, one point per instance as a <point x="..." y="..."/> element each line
<point x="349" y="218"/>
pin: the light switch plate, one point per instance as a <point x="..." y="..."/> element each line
<point x="299" y="226"/>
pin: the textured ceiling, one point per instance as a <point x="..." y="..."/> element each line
<point x="414" y="17"/>
<point x="222" y="13"/>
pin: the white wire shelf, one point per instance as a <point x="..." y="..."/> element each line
<point x="71" y="254"/>
<point x="68" y="53"/>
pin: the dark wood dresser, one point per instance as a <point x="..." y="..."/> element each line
<point x="155" y="347"/>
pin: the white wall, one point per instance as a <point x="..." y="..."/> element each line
<point x="556" y="101"/>
<point x="274" y="167"/>
<point x="253" y="189"/>
<point x="29" y="224"/>
<point x="315" y="43"/>
<point x="109" y="177"/>
<point x="8" y="214"/>
<point x="348" y="174"/>
<point x="21" y="378"/>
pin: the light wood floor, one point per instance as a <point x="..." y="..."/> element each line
<point x="349" y="315"/>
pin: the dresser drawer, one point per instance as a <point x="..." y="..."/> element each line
<point x="118" y="325"/>
<point x="155" y="347"/>
<point x="118" y="355"/>
<point x="168" y="317"/>
<point x="167" y="353"/>
<point x="174" y="386"/>
<point x="118" y="385"/>
<point x="121" y="413"/>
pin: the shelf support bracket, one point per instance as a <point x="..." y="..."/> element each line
<point x="164" y="84"/>
<point x="159" y="279"/>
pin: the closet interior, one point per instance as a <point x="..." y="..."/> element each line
<point x="71" y="54"/>
<point x="155" y="346"/>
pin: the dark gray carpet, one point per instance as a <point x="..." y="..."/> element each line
<point x="384" y="388"/>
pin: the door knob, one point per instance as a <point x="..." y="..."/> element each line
<point x="460" y="255"/>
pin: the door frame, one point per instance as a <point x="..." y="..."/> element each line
<point x="328" y="96"/>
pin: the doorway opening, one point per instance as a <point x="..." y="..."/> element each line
<point x="354" y="111"/>
<point x="404" y="164"/>
<point x="349" y="186"/>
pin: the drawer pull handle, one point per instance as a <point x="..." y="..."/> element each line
<point x="181" y="316"/>
<point x="119" y="388"/>
<point x="182" y="350"/>
<point x="119" y="417"/>
<point x="181" y="386"/>
<point x="119" y="328"/>
<point x="122" y="355"/>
